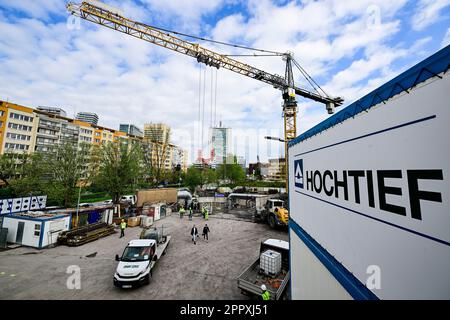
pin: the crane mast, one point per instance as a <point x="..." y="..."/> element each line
<point x="101" y="14"/>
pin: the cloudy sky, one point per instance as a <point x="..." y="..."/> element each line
<point x="349" y="47"/>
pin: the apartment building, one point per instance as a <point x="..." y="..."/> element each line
<point x="157" y="132"/>
<point x="131" y="129"/>
<point x="25" y="130"/>
<point x="18" y="127"/>
<point x="277" y="169"/>
<point x="88" y="117"/>
<point x="54" y="130"/>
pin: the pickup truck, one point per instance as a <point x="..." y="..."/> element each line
<point x="253" y="277"/>
<point x="138" y="259"/>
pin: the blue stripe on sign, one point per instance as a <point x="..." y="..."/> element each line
<point x="379" y="220"/>
<point x="371" y="134"/>
<point x="351" y="284"/>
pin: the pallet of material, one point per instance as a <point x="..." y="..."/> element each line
<point x="82" y="235"/>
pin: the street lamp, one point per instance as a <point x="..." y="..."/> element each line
<point x="274" y="138"/>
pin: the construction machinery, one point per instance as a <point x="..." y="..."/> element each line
<point x="264" y="207"/>
<point x="104" y="15"/>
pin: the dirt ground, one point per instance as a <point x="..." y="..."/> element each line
<point x="204" y="271"/>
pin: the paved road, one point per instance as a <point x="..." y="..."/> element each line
<point x="207" y="270"/>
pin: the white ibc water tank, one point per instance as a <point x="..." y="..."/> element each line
<point x="146" y="221"/>
<point x="270" y="262"/>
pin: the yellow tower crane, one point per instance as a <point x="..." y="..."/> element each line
<point x="104" y="15"/>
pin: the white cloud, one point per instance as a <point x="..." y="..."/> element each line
<point x="446" y="41"/>
<point x="428" y="12"/>
<point x="37" y="9"/>
<point x="127" y="80"/>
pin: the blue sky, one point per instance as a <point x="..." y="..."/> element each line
<point x="349" y="47"/>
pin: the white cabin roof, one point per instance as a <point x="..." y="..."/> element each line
<point x="277" y="243"/>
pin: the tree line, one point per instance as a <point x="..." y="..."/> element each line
<point x="113" y="168"/>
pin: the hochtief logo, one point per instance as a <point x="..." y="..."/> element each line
<point x="298" y="173"/>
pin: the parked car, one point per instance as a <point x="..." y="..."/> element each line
<point x="85" y="205"/>
<point x="108" y="201"/>
<point x="129" y="198"/>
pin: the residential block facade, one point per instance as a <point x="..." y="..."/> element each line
<point x="26" y="130"/>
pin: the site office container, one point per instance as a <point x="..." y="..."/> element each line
<point x="369" y="194"/>
<point x="37" y="232"/>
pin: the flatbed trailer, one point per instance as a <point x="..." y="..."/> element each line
<point x="251" y="279"/>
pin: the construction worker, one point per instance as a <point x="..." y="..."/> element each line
<point x="265" y="294"/>
<point x="203" y="211"/>
<point x="123" y="225"/>
<point x="206" y="214"/>
<point x="190" y="213"/>
<point x="182" y="211"/>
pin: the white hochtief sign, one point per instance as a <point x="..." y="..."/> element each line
<point x="374" y="191"/>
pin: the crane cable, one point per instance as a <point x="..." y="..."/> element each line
<point x="215" y="102"/>
<point x="310" y="80"/>
<point x="217" y="42"/>
<point x="199" y="101"/>
<point x="212" y="94"/>
<point x="203" y="109"/>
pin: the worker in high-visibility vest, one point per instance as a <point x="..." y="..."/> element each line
<point x="123" y="225"/>
<point x="265" y="294"/>
<point x="203" y="209"/>
<point x="182" y="212"/>
<point x="206" y="214"/>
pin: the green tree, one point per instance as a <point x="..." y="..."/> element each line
<point x="33" y="176"/>
<point x="7" y="167"/>
<point x="193" y="177"/>
<point x="209" y="175"/>
<point x="232" y="171"/>
<point x="120" y="168"/>
<point x="68" y="165"/>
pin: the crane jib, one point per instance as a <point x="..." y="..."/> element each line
<point x="114" y="19"/>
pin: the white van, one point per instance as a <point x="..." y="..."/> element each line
<point x="130" y="199"/>
<point x="138" y="259"/>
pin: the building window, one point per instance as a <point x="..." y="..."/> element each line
<point x="20" y="117"/>
<point x="19" y="126"/>
<point x="16" y="146"/>
<point x="37" y="230"/>
<point x="16" y="136"/>
<point x="1" y="124"/>
<point x="2" y="113"/>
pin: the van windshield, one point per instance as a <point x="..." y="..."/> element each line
<point x="137" y="253"/>
<point x="278" y="204"/>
